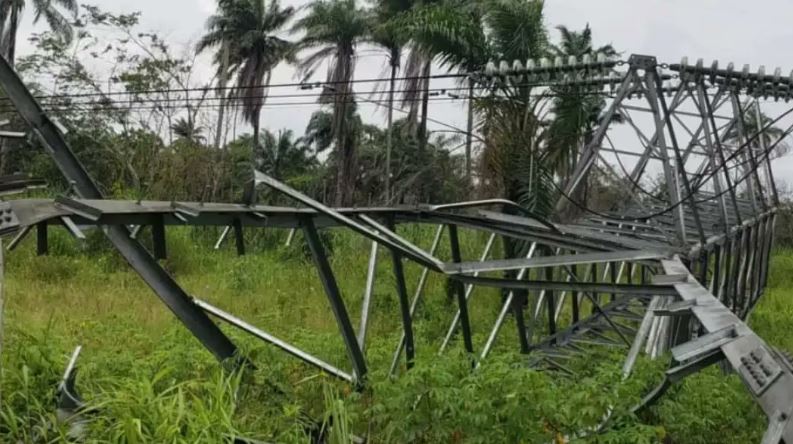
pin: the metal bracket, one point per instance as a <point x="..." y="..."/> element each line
<point x="759" y="370"/>
<point x="8" y="220"/>
<point x="670" y="279"/>
<point x="79" y="208"/>
<point x="186" y="210"/>
<point x="638" y="61"/>
<point x="680" y="308"/>
<point x="704" y="344"/>
<point x="72" y="227"/>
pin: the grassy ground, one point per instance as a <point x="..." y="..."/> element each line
<point x="150" y="381"/>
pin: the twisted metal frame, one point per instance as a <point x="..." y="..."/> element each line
<point x="677" y="270"/>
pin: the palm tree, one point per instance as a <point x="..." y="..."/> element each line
<point x="331" y="30"/>
<point x="464" y="37"/>
<point x="11" y="13"/>
<point x="283" y="157"/>
<point x="462" y="49"/>
<point x="186" y="129"/>
<point x="248" y="29"/>
<point x="388" y="35"/>
<point x="576" y="113"/>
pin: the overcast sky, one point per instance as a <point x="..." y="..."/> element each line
<point x="755" y="32"/>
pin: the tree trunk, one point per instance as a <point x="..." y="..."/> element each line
<point x="422" y="134"/>
<point x="222" y="80"/>
<point x="469" y="130"/>
<point x="425" y="97"/>
<point x="345" y="146"/>
<point x="389" y="136"/>
<point x="13" y="24"/>
<point x="256" y="124"/>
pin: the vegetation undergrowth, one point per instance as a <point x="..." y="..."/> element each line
<point x="146" y="379"/>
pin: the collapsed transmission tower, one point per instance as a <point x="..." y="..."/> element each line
<point x="677" y="269"/>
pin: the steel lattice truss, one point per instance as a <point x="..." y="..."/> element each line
<point x="673" y="270"/>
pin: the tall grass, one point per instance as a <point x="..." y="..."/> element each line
<point x="147" y="379"/>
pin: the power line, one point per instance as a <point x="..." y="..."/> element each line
<point x="431" y="91"/>
<point x="97" y="107"/>
<point x="53" y="98"/>
<point x="302" y="85"/>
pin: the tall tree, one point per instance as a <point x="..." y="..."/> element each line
<point x="576" y="114"/>
<point x="186" y="129"/>
<point x="464" y="36"/>
<point x="331" y="31"/>
<point x="283" y="157"/>
<point x="11" y="13"/>
<point x="249" y="31"/>
<point x="576" y="111"/>
<point x="452" y="33"/>
<point x="388" y="35"/>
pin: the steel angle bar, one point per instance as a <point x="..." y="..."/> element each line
<point x="769" y="170"/>
<point x="596" y="307"/>
<point x="79" y="208"/>
<point x="135" y="230"/>
<point x="367" y="296"/>
<point x="722" y="160"/>
<point x="641" y="335"/>
<point x="589" y="154"/>
<point x="662" y="124"/>
<point x="270" y="339"/>
<point x="462" y="300"/>
<point x="583" y="287"/>
<point x="72" y="227"/>
<point x="541" y="295"/>
<point x="416" y="298"/>
<point x="404" y="247"/>
<point x="158" y="239"/>
<point x="555" y="261"/>
<point x="20" y="236"/>
<point x="468" y="290"/>
<point x="572" y="276"/>
<point x="222" y="237"/>
<point x="137" y="256"/>
<point x="716" y="178"/>
<point x="186" y="209"/>
<point x="758" y="193"/>
<point x="404" y="304"/>
<point x="506" y="203"/>
<point x="516" y="232"/>
<point x="334" y="298"/>
<point x="505" y="307"/>
<point x="682" y="113"/>
<point x="587" y="325"/>
<point x="704" y="344"/>
<point x="290" y="237"/>
<point x="649" y="144"/>
<point x="764" y="376"/>
<point x="388" y="231"/>
<point x="586" y="238"/>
